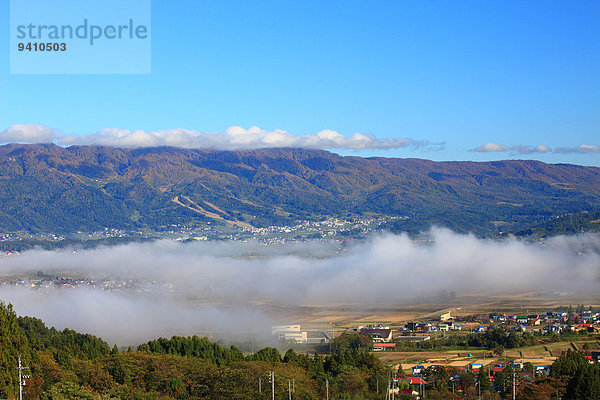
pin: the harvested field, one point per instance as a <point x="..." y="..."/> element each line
<point x="555" y="349"/>
<point x="591" y="346"/>
<point x="535" y="352"/>
<point x="537" y="355"/>
<point x="407" y="356"/>
<point x="512" y="353"/>
<point x="537" y="361"/>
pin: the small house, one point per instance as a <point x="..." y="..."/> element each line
<point x="417" y="369"/>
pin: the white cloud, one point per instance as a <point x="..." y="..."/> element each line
<point x="233" y="138"/>
<point x="515" y="149"/>
<point x="521" y="149"/>
<point x="491" y="148"/>
<point x="540" y="148"/>
<point x="584" y="148"/>
<point x="29" y="133"/>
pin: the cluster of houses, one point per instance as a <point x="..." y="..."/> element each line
<point x="60" y="283"/>
<point x="518" y="367"/>
<point x="429" y="327"/>
<point x="550" y="322"/>
<point x="587" y="316"/>
<point x="446" y="324"/>
<point x="420" y="373"/>
<point x="417" y="381"/>
<point x="490" y="369"/>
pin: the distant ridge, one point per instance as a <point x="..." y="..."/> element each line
<point x="47" y="188"/>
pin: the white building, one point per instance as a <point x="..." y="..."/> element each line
<point x="289" y="333"/>
<point x="445" y="316"/>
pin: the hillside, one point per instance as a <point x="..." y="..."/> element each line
<point x="566" y="224"/>
<point x="64" y="364"/>
<point x="47" y="188"/>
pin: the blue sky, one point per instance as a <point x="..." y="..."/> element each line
<point x="443" y="80"/>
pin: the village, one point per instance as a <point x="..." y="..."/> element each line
<point x="463" y="346"/>
<point x="47" y="283"/>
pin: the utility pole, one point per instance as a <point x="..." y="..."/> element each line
<point x="514" y="383"/>
<point x="327" y="387"/>
<point x="331" y="339"/>
<point x="387" y="395"/>
<point x="21" y="378"/>
<point x="290" y="390"/>
<point x="272" y="382"/>
<point x="259" y="385"/>
<point x="293" y="385"/>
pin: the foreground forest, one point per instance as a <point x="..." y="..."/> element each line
<point x="70" y="365"/>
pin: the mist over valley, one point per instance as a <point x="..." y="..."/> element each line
<point x="231" y="289"/>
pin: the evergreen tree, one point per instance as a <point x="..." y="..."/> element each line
<point x="13" y="344"/>
<point x="583" y="378"/>
<point x="568" y="364"/>
<point x="500" y="380"/>
<point x="438" y="378"/>
<point x="269" y="354"/>
<point x="585" y="385"/>
<point x="290" y="357"/>
<point x="482" y="378"/>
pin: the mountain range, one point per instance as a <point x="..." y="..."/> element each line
<point x="48" y="188"/>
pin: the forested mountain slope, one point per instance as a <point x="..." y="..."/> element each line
<point x="47" y="188"/>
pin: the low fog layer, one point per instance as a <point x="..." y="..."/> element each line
<point x="217" y="285"/>
<point x="131" y="319"/>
